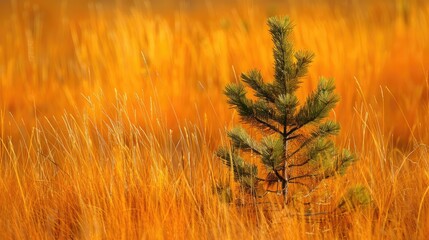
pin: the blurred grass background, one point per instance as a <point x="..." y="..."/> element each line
<point x="111" y="109"/>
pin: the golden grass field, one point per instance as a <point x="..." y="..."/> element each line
<point x="110" y="114"/>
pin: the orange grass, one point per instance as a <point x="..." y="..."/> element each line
<point x="110" y="113"/>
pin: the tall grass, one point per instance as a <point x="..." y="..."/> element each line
<point x="109" y="119"/>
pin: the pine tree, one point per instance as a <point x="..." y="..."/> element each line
<point x="292" y="140"/>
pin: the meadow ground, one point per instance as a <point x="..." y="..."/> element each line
<point x="110" y="114"/>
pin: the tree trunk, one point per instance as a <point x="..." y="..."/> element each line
<point x="285" y="175"/>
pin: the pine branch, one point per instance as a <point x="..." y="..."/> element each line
<point x="244" y="172"/>
<point x="263" y="110"/>
<point x="300" y="183"/>
<point x="267" y="125"/>
<point x="280" y="177"/>
<point x="286" y="104"/>
<point x="320" y="146"/>
<point x="292" y="130"/>
<point x="262" y="90"/>
<point x="326" y="129"/>
<point x="266" y="180"/>
<point x="241" y="140"/>
<point x="303" y="60"/>
<point x="250" y="112"/>
<point x="273" y="153"/>
<point x="318" y="104"/>
<point x="236" y="94"/>
<point x="344" y="161"/>
<point x="280" y="29"/>
<point x="293" y="137"/>
<point x="300" y="164"/>
<point x="304" y="176"/>
<point x="301" y="147"/>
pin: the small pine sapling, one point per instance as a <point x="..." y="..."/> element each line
<point x="292" y="140"/>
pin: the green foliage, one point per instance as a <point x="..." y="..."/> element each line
<point x="294" y="145"/>
<point x="273" y="152"/>
<point x="245" y="173"/>
<point x="318" y="104"/>
<point x="357" y="196"/>
<point x="224" y="192"/>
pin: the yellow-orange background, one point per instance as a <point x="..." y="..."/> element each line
<point x="89" y="82"/>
